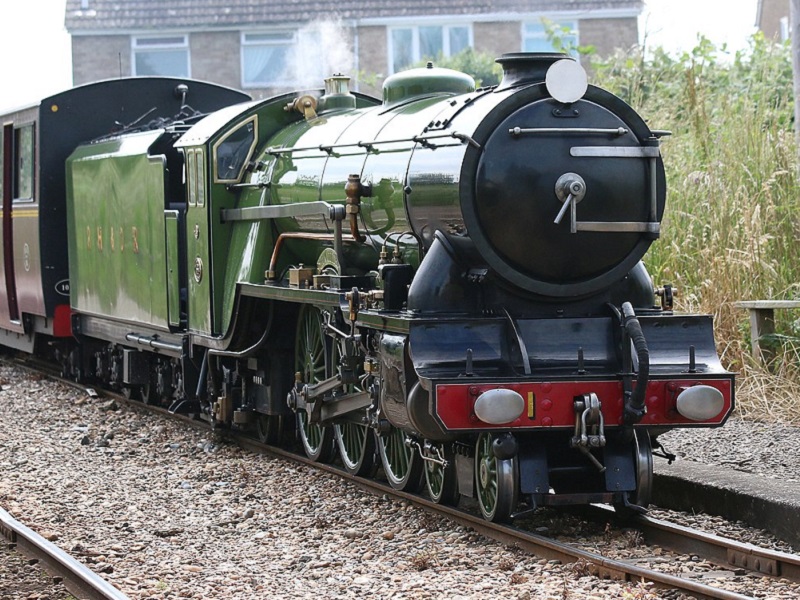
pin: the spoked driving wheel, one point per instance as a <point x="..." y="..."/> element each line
<point x="496" y="481"/>
<point x="401" y="463"/>
<point x="441" y="479"/>
<point x="355" y="440"/>
<point x="310" y="362"/>
<point x="643" y="465"/>
<point x="356" y="447"/>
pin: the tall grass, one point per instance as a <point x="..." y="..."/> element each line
<point x="731" y="230"/>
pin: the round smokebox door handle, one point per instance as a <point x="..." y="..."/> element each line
<point x="570" y="189"/>
<point x="564" y="208"/>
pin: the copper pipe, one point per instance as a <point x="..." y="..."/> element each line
<point x="322" y="237"/>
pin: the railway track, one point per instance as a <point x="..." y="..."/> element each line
<point x="79" y="579"/>
<point x="729" y="553"/>
<point x="730" y="558"/>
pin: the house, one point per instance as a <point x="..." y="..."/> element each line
<point x="266" y="46"/>
<point x="772" y="19"/>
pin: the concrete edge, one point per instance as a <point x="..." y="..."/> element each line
<point x="758" y="501"/>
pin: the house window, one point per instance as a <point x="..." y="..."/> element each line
<point x="265" y="58"/>
<point x="564" y="36"/>
<point x="413" y="44"/>
<point x="166" y="56"/>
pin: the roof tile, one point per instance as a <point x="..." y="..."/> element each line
<point x="93" y="15"/>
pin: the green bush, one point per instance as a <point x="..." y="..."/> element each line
<point x="480" y="65"/>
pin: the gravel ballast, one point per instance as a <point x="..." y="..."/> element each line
<point x="162" y="510"/>
<point x="766" y="449"/>
<point x="23" y="578"/>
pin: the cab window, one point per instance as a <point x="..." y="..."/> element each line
<point x="200" y="174"/>
<point x="232" y="152"/>
<point x="191" y="166"/>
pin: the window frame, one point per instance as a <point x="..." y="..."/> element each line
<point x="415" y="45"/>
<point x="248" y="157"/>
<point x="137" y="47"/>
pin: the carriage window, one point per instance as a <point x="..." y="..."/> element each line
<point x="2" y="164"/>
<point x="233" y="151"/>
<point x="25" y="160"/>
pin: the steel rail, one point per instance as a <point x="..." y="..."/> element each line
<point x="79" y="579"/>
<point x="720" y="550"/>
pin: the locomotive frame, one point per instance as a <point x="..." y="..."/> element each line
<point x="446" y="283"/>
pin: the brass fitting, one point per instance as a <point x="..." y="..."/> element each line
<point x="306" y="105"/>
<point x="354" y="191"/>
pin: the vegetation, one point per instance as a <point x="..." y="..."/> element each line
<point x="481" y="65"/>
<point x="731" y="230"/>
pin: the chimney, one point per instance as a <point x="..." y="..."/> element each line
<point x="520" y="68"/>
